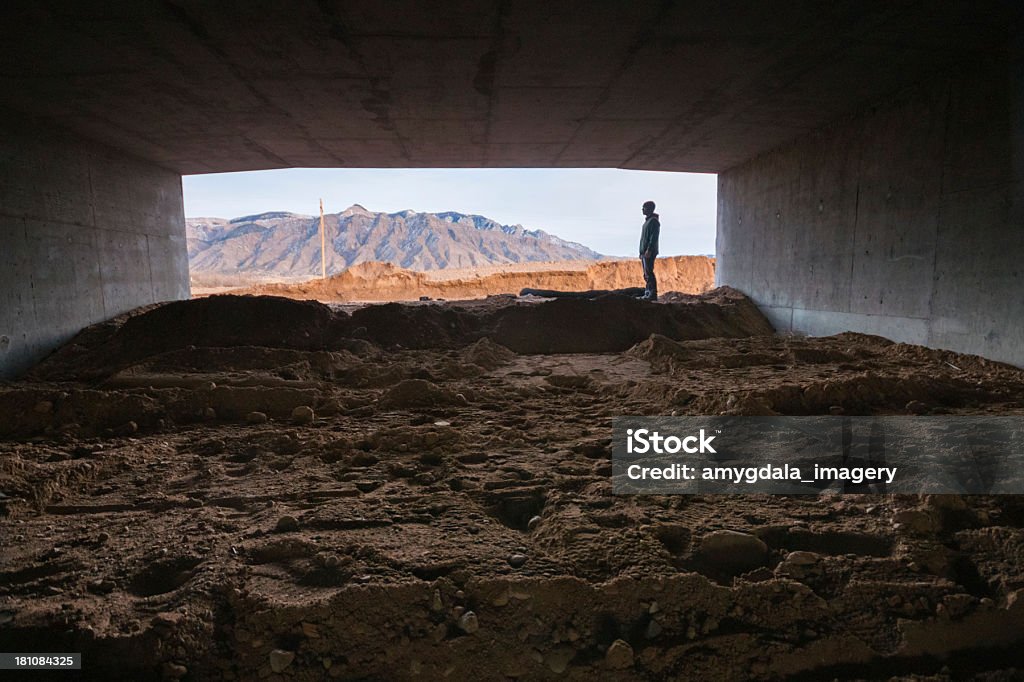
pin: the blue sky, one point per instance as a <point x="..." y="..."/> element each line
<point x="596" y="207"/>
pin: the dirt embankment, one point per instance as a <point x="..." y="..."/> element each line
<point x="387" y="282"/>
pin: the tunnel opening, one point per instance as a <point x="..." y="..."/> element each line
<point x="472" y="233"/>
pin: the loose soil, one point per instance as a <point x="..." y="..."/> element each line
<point x="235" y="488"/>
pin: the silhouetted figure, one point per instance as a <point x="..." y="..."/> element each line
<point x="649" y="250"/>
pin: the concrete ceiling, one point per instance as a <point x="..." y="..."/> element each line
<point x="201" y="86"/>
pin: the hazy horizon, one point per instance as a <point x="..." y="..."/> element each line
<point x="599" y="208"/>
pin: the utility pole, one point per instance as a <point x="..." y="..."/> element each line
<point x="323" y="244"/>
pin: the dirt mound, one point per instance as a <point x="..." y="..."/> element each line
<point x="216" y="321"/>
<point x="608" y="324"/>
<point x="614" y="323"/>
<point x="487" y="354"/>
<point x="386" y="282"/>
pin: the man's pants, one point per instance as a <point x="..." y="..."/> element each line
<point x="650" y="283"/>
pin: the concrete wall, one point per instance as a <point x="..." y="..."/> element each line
<point x="906" y="220"/>
<point x="86" y="233"/>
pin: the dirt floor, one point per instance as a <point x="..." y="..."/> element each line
<point x="259" y="488"/>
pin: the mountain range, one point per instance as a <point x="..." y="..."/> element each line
<point x="287" y="245"/>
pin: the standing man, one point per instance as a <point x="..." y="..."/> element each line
<point x="649" y="250"/>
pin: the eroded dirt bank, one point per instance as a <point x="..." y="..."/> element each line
<point x="387" y="282"/>
<point x="240" y="488"/>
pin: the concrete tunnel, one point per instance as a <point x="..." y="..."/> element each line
<point x="870" y="155"/>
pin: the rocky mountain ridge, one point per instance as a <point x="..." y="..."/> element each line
<point x="287" y="245"/>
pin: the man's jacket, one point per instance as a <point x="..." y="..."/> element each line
<point x="649" y="235"/>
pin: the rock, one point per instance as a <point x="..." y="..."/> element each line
<point x="916" y="407"/>
<point x="653" y="630"/>
<point x="801" y="558"/>
<point x="517" y="560"/>
<point x="126" y="429"/>
<point x="799" y="565"/>
<point x="732" y="552"/>
<point x="619" y="655"/>
<point x="1014" y="600"/>
<point x="167" y="619"/>
<point x="281" y="659"/>
<point x="174" y="671"/>
<point x="303" y="414"/>
<point x="836" y="410"/>
<point x="468" y="622"/>
<point x="256" y="418"/>
<point x="101" y="586"/>
<point x="533" y="523"/>
<point x="287" y="524"/>
<point x="557" y="660"/>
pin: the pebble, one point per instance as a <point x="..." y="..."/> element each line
<point x="303" y="414"/>
<point x="126" y="429"/>
<point x="533" y="523"/>
<point x="281" y="659"/>
<point x="209" y="413"/>
<point x="167" y="619"/>
<point x="916" y="407"/>
<point x="557" y="660"/>
<point x="287" y="524"/>
<point x="256" y="418"/>
<point x="101" y="586"/>
<point x="653" y="630"/>
<point x="174" y="671"/>
<point x="517" y="560"/>
<point x="802" y="558"/>
<point x="731" y="551"/>
<point x="469" y="623"/>
<point x="619" y="655"/>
